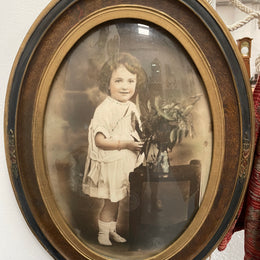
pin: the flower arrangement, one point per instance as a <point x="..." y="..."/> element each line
<point x="165" y="120"/>
<point x="165" y="123"/>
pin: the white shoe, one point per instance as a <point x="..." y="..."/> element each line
<point x="113" y="234"/>
<point x="103" y="234"/>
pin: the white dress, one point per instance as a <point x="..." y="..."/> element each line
<point x="107" y="171"/>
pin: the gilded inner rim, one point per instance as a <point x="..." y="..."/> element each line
<point x="172" y="26"/>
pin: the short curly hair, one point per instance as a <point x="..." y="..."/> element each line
<point x="131" y="63"/>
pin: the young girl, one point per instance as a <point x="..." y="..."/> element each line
<point x="114" y="144"/>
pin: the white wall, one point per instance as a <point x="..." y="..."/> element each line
<point x="17" y="241"/>
<point x="231" y="15"/>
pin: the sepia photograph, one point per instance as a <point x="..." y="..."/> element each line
<point x="128" y="139"/>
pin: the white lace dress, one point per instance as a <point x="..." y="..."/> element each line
<point x="107" y="171"/>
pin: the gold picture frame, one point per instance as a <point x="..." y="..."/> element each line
<point x="198" y="86"/>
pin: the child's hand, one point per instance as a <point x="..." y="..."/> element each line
<point x="134" y="146"/>
<point x="109" y="144"/>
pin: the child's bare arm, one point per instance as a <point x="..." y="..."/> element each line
<point x="109" y="144"/>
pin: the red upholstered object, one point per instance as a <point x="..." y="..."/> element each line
<point x="256" y="97"/>
<point x="249" y="214"/>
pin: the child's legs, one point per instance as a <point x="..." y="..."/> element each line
<point x="109" y="211"/>
<point x="107" y="224"/>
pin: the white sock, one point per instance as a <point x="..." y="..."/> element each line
<point x="103" y="234"/>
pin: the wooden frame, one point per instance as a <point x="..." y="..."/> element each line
<point x="202" y="40"/>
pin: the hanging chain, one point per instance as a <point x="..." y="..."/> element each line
<point x="252" y="14"/>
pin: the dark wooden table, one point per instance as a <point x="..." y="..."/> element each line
<point x="162" y="205"/>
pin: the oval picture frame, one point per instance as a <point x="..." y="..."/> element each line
<point x="195" y="95"/>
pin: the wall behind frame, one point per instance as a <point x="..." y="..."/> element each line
<point x="16" y="240"/>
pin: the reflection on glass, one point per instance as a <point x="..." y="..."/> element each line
<point x="165" y="191"/>
<point x="143" y="29"/>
